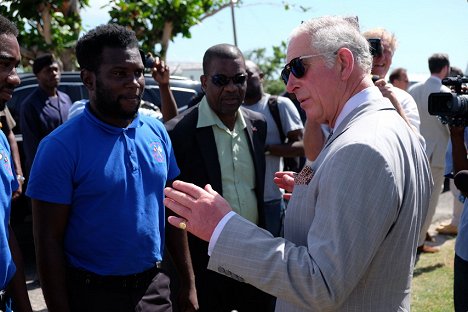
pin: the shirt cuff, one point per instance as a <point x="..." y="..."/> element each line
<point x="217" y="231"/>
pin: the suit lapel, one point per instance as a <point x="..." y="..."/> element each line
<point x="209" y="153"/>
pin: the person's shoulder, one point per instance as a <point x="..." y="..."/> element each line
<point x="250" y="114"/>
<point x="69" y="132"/>
<point x="73" y="124"/>
<point x="35" y="96"/>
<point x="402" y="95"/>
<point x="285" y="101"/>
<point x="416" y="86"/>
<point x="152" y="122"/>
<point x="187" y="118"/>
<point x="65" y="96"/>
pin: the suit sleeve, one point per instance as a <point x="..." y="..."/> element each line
<point x="356" y="202"/>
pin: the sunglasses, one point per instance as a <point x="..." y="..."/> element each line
<point x="221" y="80"/>
<point x="296" y="67"/>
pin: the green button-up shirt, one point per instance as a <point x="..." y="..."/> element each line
<point x="235" y="159"/>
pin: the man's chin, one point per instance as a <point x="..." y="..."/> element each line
<point x="127" y="115"/>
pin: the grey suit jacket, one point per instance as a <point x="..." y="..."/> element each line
<point x="351" y="228"/>
<point x="434" y="132"/>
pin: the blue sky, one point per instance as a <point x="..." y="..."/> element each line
<point x="422" y="27"/>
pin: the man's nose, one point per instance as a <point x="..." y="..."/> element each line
<point x="231" y="85"/>
<point x="13" y="77"/>
<point x="291" y="85"/>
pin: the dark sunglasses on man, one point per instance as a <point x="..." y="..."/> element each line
<point x="296" y="67"/>
<point x="221" y="80"/>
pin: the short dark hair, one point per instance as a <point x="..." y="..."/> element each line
<point x="7" y="27"/>
<point x="90" y="46"/>
<point x="437" y="62"/>
<point x="222" y="51"/>
<point x="43" y="61"/>
<point x="396" y="74"/>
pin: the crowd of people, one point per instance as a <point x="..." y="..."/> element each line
<point x="138" y="211"/>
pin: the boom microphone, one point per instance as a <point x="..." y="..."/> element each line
<point x="461" y="181"/>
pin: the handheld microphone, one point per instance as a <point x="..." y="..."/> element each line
<point x="461" y="181"/>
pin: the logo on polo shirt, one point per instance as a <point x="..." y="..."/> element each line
<point x="157" y="151"/>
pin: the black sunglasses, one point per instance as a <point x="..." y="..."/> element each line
<point x="296" y="67"/>
<point x="221" y="80"/>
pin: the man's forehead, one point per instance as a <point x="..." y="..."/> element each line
<point x="52" y="65"/>
<point x="120" y="53"/>
<point x="120" y="57"/>
<point x="219" y="64"/>
<point x="9" y="48"/>
<point x="299" y="45"/>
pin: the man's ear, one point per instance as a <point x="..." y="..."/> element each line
<point x="345" y="61"/>
<point x="88" y="77"/>
<point x="203" y="80"/>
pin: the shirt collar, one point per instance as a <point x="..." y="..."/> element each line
<point x="207" y="117"/>
<point x="356" y="100"/>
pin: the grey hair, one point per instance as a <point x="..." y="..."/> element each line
<point x="330" y="33"/>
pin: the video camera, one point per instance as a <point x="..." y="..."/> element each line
<point x="451" y="108"/>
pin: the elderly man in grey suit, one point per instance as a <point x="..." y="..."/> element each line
<point x="351" y="229"/>
<point x="434" y="132"/>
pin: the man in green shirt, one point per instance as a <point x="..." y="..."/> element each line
<point x="220" y="143"/>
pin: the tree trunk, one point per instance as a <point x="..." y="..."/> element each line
<point x="45" y="30"/>
<point x="167" y="35"/>
<point x="67" y="58"/>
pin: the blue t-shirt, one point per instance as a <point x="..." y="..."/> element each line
<point x="9" y="184"/>
<point x="113" y="179"/>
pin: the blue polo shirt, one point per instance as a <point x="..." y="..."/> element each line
<point x="113" y="179"/>
<point x="9" y="184"/>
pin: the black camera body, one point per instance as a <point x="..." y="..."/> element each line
<point x="451" y="108"/>
<point x="375" y="46"/>
<point x="147" y="58"/>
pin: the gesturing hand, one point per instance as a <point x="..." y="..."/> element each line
<point x="160" y="71"/>
<point x="200" y="209"/>
<point x="285" y="180"/>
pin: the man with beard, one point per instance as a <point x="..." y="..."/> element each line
<point x="97" y="189"/>
<point x="12" y="283"/>
<point x="44" y="109"/>
<point x="221" y="143"/>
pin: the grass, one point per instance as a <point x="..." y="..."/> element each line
<point x="432" y="288"/>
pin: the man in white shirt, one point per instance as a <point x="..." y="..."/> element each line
<point x="434" y="132"/>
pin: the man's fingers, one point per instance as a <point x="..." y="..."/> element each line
<point x="188" y="188"/>
<point x="176" y="206"/>
<point x="210" y="190"/>
<point x="178" y="222"/>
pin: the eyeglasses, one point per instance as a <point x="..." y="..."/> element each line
<point x="296" y="67"/>
<point x="221" y="80"/>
